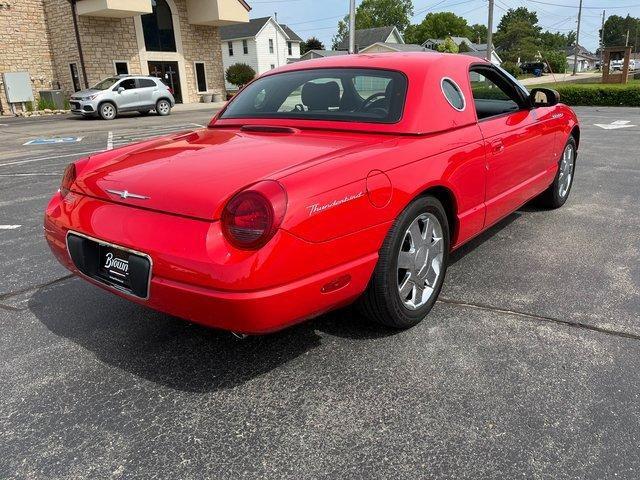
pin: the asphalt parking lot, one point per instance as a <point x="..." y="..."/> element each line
<point x="528" y="366"/>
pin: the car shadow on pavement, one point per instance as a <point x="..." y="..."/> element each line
<point x="474" y="243"/>
<point x="160" y="348"/>
<point x="185" y="356"/>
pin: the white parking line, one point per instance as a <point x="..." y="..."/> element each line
<point x="31" y="160"/>
<point x="110" y="141"/>
<point x="9" y="227"/>
<point x="24" y="199"/>
<point x="29" y="174"/>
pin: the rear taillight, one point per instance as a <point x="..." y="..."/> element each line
<point x="68" y="178"/>
<point x="252" y="217"/>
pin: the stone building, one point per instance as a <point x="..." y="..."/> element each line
<point x="73" y="44"/>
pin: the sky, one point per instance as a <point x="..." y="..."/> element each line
<point x="320" y="17"/>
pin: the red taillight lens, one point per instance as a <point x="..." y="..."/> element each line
<point x="68" y="178"/>
<point x="252" y="217"/>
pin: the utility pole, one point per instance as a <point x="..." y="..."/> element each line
<point x="575" y="51"/>
<point x="490" y="31"/>
<point x="602" y="43"/>
<point x="626" y="43"/>
<point x="275" y="14"/>
<point x="352" y="26"/>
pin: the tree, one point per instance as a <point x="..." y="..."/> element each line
<point x="557" y="41"/>
<point x="311" y="44"/>
<point x="518" y="35"/>
<point x="449" y="46"/>
<point x="376" y="13"/>
<point x="615" y="31"/>
<point x="437" y="25"/>
<point x="463" y="47"/>
<point x="239" y="74"/>
<point x="477" y="33"/>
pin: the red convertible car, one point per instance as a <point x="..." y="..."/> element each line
<point x="321" y="183"/>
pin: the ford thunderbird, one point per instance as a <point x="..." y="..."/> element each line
<point x="322" y="183"/>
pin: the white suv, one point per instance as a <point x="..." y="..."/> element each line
<point x="122" y="94"/>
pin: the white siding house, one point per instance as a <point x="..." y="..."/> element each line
<point x="262" y="43"/>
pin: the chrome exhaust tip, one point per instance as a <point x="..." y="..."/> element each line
<point x="239" y="336"/>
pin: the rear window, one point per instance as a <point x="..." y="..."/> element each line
<point x="346" y="94"/>
<point x="146" y="82"/>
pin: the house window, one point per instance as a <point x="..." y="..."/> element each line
<point x="121" y="68"/>
<point x="271" y="45"/>
<point x="157" y="27"/>
<point x="290" y="48"/>
<point x="75" y="77"/>
<point x="230" y="45"/>
<point x="201" y="77"/>
<point x="245" y="47"/>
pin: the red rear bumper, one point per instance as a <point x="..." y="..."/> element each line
<point x="198" y="276"/>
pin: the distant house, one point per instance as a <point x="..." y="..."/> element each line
<point x="475" y="49"/>
<point x="586" y="59"/>
<point x="311" y="54"/>
<point x="384" y="47"/>
<point x="433" y="43"/>
<point x="262" y="43"/>
<point x="368" y="36"/>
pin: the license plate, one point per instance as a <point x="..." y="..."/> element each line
<point x="114" y="265"/>
<point x="125" y="270"/>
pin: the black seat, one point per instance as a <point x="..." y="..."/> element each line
<point x="321" y="96"/>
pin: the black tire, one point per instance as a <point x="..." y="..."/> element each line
<point x="144" y="112"/>
<point x="163" y="107"/>
<point x="382" y="302"/>
<point x="107" y="111"/>
<point x="551" y="197"/>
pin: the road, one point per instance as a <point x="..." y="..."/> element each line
<point x="528" y="365"/>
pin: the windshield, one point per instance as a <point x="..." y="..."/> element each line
<point x="515" y="80"/>
<point x="345" y="94"/>
<point x="104" y="84"/>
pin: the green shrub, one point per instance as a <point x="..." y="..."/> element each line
<point x="44" y="104"/>
<point x="29" y="106"/>
<point x="557" y="61"/>
<point x="67" y="105"/>
<point x="239" y="74"/>
<point x="512" y="68"/>
<point x="599" y="95"/>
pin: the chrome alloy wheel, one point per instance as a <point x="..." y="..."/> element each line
<point x="566" y="170"/>
<point x="108" y="111"/>
<point x="163" y="107"/>
<point x="420" y="261"/>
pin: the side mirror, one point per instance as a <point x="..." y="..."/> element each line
<point x="543" y="97"/>
<point x="120" y="89"/>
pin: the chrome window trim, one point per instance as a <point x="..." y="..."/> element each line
<point x="457" y="87"/>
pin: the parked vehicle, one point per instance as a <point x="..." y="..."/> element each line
<point x="123" y="93"/>
<point x="534" y="68"/>
<point x="321" y="183"/>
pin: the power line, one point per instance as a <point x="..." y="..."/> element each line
<point x="316" y="19"/>
<point x="573" y="6"/>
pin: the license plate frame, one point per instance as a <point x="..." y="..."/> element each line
<point x="125" y="270"/>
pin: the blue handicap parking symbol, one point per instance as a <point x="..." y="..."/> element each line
<point x="53" y="141"/>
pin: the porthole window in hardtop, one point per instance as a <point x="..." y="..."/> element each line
<point x="453" y="94"/>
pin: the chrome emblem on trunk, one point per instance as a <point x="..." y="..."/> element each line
<point x="126" y="194"/>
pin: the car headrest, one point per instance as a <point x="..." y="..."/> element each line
<point x="321" y="96"/>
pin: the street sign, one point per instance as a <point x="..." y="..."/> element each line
<point x="53" y="141"/>
<point x="614" y="125"/>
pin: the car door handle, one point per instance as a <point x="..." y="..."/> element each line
<point x="497" y="146"/>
